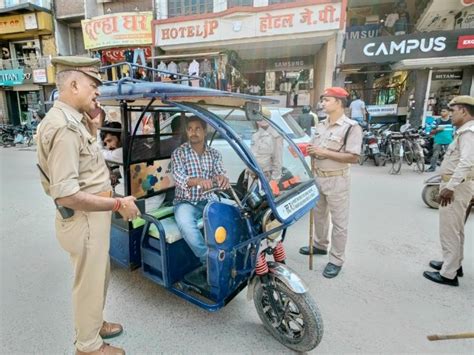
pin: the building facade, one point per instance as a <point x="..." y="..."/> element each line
<point x="27" y="41"/>
<point x="407" y="58"/>
<point x="279" y="48"/>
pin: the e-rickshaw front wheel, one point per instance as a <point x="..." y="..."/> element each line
<point x="293" y="319"/>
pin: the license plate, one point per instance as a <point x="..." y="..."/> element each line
<point x="374" y="147"/>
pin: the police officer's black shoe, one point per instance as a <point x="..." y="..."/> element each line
<point x="305" y="251"/>
<point x="331" y="270"/>
<point x="437" y="265"/>
<point x="438" y="278"/>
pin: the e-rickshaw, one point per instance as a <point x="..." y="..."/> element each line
<point x="244" y="228"/>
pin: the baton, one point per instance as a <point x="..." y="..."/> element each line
<point x="450" y="336"/>
<point x="311" y="226"/>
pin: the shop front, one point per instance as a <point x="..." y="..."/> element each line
<point x="286" y="51"/>
<point x="26" y="75"/>
<point x="120" y="37"/>
<point x="436" y="66"/>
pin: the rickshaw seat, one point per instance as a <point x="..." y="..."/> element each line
<point x="171" y="229"/>
<point x="159" y="213"/>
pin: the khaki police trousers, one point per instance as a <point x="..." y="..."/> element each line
<point x="333" y="206"/>
<point x="86" y="237"/>
<point x="451" y="228"/>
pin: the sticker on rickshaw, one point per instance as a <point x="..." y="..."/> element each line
<point x="297" y="202"/>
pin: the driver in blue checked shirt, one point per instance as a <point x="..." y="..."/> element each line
<point x="196" y="168"/>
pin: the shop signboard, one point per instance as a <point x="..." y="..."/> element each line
<point x="292" y="19"/>
<point x="360" y="32"/>
<point x="27" y="76"/>
<point x="382" y="110"/>
<point x="414" y="46"/>
<point x="40" y="76"/>
<point x="12" y="24"/>
<point x="11" y="77"/>
<point x="120" y="29"/>
<point x="466" y="42"/>
<point x="447" y="75"/>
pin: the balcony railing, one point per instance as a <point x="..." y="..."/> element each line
<point x="10" y="3"/>
<point x="31" y="62"/>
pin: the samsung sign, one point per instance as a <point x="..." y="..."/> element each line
<point x="396" y="48"/>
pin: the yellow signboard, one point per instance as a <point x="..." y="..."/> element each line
<point x="12" y="24"/>
<point x="121" y="29"/>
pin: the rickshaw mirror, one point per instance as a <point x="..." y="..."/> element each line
<point x="253" y="111"/>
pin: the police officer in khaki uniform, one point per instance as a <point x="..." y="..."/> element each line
<point x="335" y="145"/>
<point x="456" y="192"/>
<point x="267" y="147"/>
<point x="74" y="174"/>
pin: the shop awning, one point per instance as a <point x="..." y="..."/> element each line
<point x="429" y="63"/>
<point x="188" y="55"/>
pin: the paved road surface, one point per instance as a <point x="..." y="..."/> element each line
<point x="380" y="303"/>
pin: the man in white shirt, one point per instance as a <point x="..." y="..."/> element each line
<point x="357" y="108"/>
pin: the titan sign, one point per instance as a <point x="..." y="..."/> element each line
<point x="415" y="46"/>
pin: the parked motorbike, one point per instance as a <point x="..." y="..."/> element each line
<point x="370" y="148"/>
<point x="8" y="134"/>
<point x="430" y="194"/>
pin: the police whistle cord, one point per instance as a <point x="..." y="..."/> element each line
<point x="450" y="336"/>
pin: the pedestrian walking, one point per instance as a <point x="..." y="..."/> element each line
<point x="357" y="109"/>
<point x="74" y="174"/>
<point x="443" y="131"/>
<point x="335" y="145"/>
<point x="456" y="192"/>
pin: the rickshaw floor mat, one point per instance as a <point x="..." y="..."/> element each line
<point x="198" y="279"/>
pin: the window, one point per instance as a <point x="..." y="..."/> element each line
<point x="273" y="2"/>
<point x="237" y="3"/>
<point x="189" y="7"/>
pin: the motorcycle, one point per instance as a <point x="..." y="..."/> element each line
<point x="8" y="135"/>
<point x="430" y="194"/>
<point x="370" y="148"/>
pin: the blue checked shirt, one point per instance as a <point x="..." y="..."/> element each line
<point x="187" y="164"/>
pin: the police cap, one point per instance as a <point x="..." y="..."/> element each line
<point x="88" y="66"/>
<point x="462" y="100"/>
<point x="335" y="92"/>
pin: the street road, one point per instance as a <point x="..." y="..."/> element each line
<point x="380" y="303"/>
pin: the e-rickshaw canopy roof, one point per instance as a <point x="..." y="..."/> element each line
<point x="140" y="93"/>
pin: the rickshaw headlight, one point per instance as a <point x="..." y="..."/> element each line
<point x="220" y="235"/>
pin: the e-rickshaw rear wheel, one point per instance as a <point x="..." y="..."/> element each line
<point x="296" y="322"/>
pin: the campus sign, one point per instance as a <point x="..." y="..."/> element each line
<point x="413" y="46"/>
<point x="120" y="29"/>
<point x="266" y="22"/>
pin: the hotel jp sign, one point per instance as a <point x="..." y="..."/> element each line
<point x="414" y="46"/>
<point x="267" y="22"/>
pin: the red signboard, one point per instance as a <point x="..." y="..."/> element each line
<point x="115" y="55"/>
<point x="465" y="42"/>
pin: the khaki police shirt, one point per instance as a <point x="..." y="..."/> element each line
<point x="267" y="146"/>
<point x="69" y="155"/>
<point x="459" y="158"/>
<point x="331" y="137"/>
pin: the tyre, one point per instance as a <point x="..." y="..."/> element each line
<point x="409" y="154"/>
<point x="297" y="323"/>
<point x="377" y="159"/>
<point x="396" y="159"/>
<point x="430" y="195"/>
<point x="420" y="164"/>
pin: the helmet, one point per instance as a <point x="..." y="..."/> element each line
<point x="306" y="109"/>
